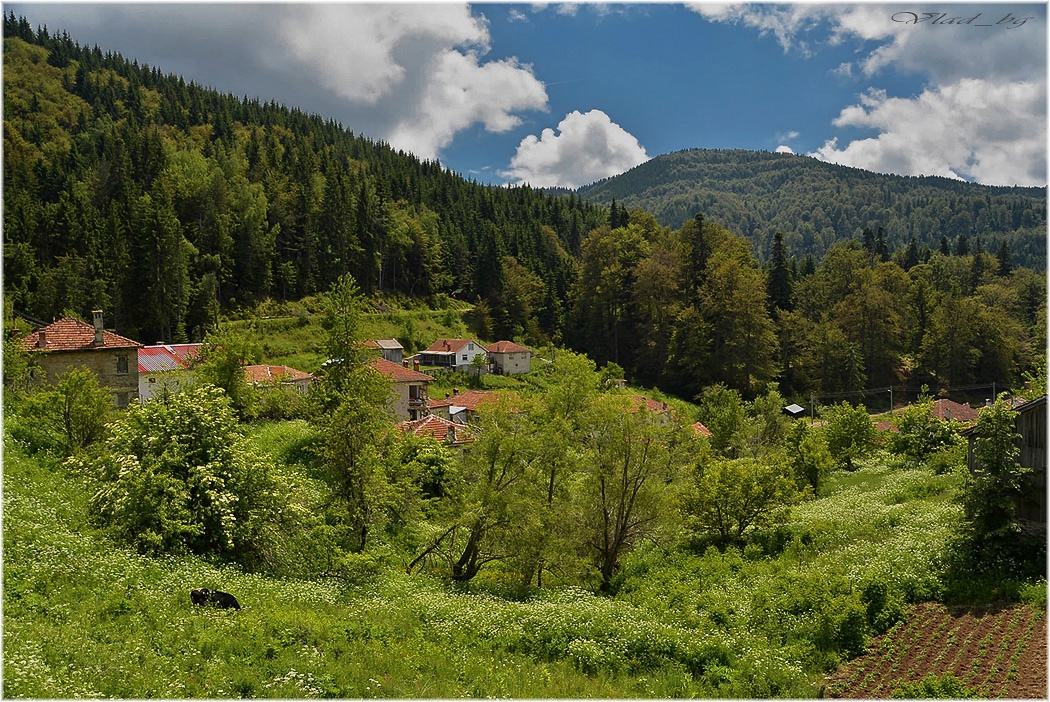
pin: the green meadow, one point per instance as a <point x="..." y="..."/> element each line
<point x="84" y="617"/>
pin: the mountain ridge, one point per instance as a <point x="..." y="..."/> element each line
<point x="757" y="193"/>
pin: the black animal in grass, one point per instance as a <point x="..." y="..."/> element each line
<point x="204" y="596"/>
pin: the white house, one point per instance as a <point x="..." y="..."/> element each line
<point x="165" y="366"/>
<point x="453" y="354"/>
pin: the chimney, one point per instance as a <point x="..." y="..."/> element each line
<point x="415" y="366"/>
<point x="97" y="315"/>
<point x="41" y="340"/>
<point x="404" y="363"/>
<point x="455" y="391"/>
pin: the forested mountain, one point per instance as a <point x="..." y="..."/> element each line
<point x="162" y="202"/>
<point x="166" y="204"/>
<point x="814" y="204"/>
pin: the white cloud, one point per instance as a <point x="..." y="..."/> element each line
<point x="587" y="147"/>
<point x="352" y="48"/>
<point x="420" y="65"/>
<point x="784" y="149"/>
<point x="982" y="115"/>
<point x="517" y="16"/>
<point x="461" y="92"/>
<point x="975" y="129"/>
<point x="414" y="73"/>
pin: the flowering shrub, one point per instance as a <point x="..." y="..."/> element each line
<point x="176" y="478"/>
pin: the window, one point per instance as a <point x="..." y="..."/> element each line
<point x="122" y="365"/>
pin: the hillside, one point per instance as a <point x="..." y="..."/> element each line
<point x="164" y="203"/>
<point x="815" y="204"/>
<point x="86" y="617"/>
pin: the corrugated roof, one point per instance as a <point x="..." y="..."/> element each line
<point x="384" y="344"/>
<point x="71" y="334"/>
<point x="166" y="357"/>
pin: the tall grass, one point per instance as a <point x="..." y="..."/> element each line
<point x="85" y="618"/>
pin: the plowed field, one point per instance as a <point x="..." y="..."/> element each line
<point x="999" y="651"/>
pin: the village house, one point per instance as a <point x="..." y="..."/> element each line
<point x="439" y="428"/>
<point x="165" y="366"/>
<point x="410" y="386"/>
<point x="69" y="342"/>
<point x="462" y="407"/>
<point x="508" y="358"/>
<point x="390" y="349"/>
<point x="263" y="377"/>
<point x="663" y="412"/>
<point x="451" y="354"/>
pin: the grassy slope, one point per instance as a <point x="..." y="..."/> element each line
<point x="85" y="618"/>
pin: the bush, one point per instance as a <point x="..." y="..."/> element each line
<point x="920" y="434"/>
<point x="849" y="432"/>
<point x="177" y="477"/>
<point x="70" y="417"/>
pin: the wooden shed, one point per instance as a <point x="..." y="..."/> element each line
<point x="1030" y="424"/>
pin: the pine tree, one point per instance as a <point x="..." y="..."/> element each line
<point x="1003" y="257"/>
<point x="778" y="286"/>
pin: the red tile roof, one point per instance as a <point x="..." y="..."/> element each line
<point x="471" y="399"/>
<point x="447" y="345"/>
<point x="70" y="334"/>
<point x="946" y="409"/>
<point x="438" y="428"/>
<point x="269" y="374"/>
<point x="506" y="347"/>
<point x="166" y="357"/>
<point x="651" y="405"/>
<point x="399" y="373"/>
<point x="701" y="430"/>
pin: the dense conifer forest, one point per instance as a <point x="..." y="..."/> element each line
<point x="163" y="203"/>
<point x="168" y="205"/>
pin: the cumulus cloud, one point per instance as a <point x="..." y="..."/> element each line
<point x="784" y="149"/>
<point x="413" y="75"/>
<point x="463" y="91"/>
<point x="585" y="147"/>
<point x="1001" y="140"/>
<point x="982" y="115"/>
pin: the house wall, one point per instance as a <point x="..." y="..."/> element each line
<point x="512" y="363"/>
<point x="101" y="362"/>
<point x="151" y="383"/>
<point x="407" y="407"/>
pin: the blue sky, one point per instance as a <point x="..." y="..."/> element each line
<point x="565" y="94"/>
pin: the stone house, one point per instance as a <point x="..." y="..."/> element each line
<point x="70" y="342"/>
